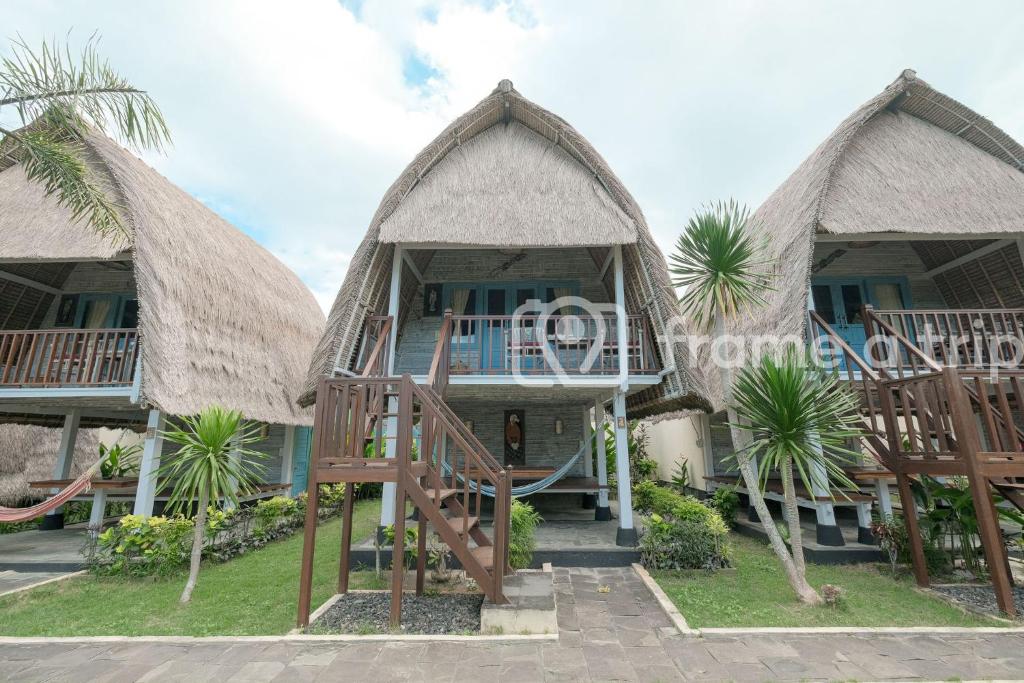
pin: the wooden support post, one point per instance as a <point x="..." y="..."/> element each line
<point x="96" y="516"/>
<point x="346" y="538"/>
<point x="603" y="511"/>
<point x="626" y="534"/>
<point x="884" y="498"/>
<point x="312" y="510"/>
<point x="421" y="553"/>
<point x="287" y="454"/>
<point x="969" y="442"/>
<point x="913" y="530"/>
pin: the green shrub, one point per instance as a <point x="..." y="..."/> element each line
<point x="521" y="542"/>
<point x="683" y="544"/>
<point x="272" y="512"/>
<point x="682" y="532"/>
<point x="411" y="550"/>
<point x="142" y="546"/>
<point x="726" y="502"/>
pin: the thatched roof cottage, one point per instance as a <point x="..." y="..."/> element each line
<point x="183" y="312"/>
<point x="510" y="212"/>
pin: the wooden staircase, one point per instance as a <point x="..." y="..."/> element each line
<point x="357" y="420"/>
<point x="922" y="417"/>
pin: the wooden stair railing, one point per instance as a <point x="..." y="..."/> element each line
<point x="941" y="420"/>
<point x="453" y="505"/>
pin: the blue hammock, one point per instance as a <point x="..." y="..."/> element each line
<point x="532" y="487"/>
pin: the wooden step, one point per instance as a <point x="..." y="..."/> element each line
<point x="456" y="523"/>
<point x="435" y="494"/>
<point x="484" y="555"/>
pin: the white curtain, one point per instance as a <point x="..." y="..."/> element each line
<point x="96" y="314"/>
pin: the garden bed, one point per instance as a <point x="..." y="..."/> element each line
<point x="978" y="598"/>
<point x="367" y="612"/>
<point x="756" y="594"/>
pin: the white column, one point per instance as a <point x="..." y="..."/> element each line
<point x="828" y="532"/>
<point x="387" y="498"/>
<point x="236" y="457"/>
<point x="99" y="507"/>
<point x="150" y="463"/>
<point x="287" y="454"/>
<point x="588" y="462"/>
<point x="884" y="499"/>
<point x="626" y="534"/>
<point x="620" y="319"/>
<point x="65" y="458"/>
<point x="603" y="511"/>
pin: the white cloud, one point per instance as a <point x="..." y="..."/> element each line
<point x="293" y="118"/>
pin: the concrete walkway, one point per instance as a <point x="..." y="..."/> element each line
<point x="610" y="628"/>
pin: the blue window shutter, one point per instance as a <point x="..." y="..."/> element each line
<point x="300" y="459"/>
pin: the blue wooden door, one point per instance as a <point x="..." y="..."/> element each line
<point x="840" y="301"/>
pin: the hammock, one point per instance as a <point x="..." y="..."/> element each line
<point x="533" y="486"/>
<point x="80" y="485"/>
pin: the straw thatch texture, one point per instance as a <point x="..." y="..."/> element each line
<point x="909" y="160"/>
<point x="497" y="145"/>
<point x="509" y="187"/>
<point x="221" y="319"/>
<point x="28" y="453"/>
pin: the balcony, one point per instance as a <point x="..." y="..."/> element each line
<point x="64" y="358"/>
<point x="533" y="345"/>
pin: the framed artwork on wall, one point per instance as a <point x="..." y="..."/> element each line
<point x="432" y="306"/>
<point x="67" y="311"/>
<point x="515" y="438"/>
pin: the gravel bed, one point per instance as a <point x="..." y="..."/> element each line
<point x="979" y="597"/>
<point x="434" y="614"/>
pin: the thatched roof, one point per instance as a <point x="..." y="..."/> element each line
<point x="509" y="173"/>
<point x="221" y="319"/>
<point x="509" y="187"/>
<point x="910" y="160"/>
<point x="29" y="453"/>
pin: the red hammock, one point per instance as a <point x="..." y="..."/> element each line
<point x="79" y="485"/>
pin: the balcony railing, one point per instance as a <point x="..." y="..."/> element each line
<point x="60" y="358"/>
<point x="965" y="338"/>
<point x="548" y="345"/>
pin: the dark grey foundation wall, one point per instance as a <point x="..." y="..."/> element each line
<point x="419" y="334"/>
<point x="544" y="448"/>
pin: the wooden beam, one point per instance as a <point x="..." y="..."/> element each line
<point x="412" y="266"/>
<point x="910" y="236"/>
<point x="967" y="258"/>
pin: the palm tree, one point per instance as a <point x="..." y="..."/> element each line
<point x="799" y="418"/>
<point x="212" y="464"/>
<point x="59" y="98"/>
<point x="724" y="272"/>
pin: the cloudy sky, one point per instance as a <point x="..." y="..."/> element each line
<point x="292" y="118"/>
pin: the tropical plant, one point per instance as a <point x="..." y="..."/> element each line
<point x="724" y="273"/>
<point x="800" y="419"/>
<point x="681" y="476"/>
<point x="680" y="531"/>
<point x="726" y="502"/>
<point x="59" y="97"/>
<point x="892" y="538"/>
<point x="523" y="520"/>
<point x="213" y="463"/>
<point x="118" y="460"/>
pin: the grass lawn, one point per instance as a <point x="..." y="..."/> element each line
<point x="756" y="593"/>
<point x="253" y="594"/>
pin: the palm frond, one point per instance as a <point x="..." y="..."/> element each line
<point x="720" y="265"/>
<point x="58" y="165"/>
<point x="75" y="93"/>
<point x="213" y="457"/>
<point x="796" y="409"/>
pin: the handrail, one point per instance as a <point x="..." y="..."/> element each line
<point x="848" y="352"/>
<point x="377" y="357"/>
<point x="870" y="317"/>
<point x="437" y="378"/>
<point x="80" y="357"/>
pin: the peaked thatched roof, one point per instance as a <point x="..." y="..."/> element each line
<point x="910" y="160"/>
<point x="221" y="319"/>
<point x="509" y="173"/>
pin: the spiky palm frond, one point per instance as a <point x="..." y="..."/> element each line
<point x="59" y="98"/>
<point x="75" y="93"/>
<point x="719" y="264"/>
<point x="795" y="409"/>
<point x="213" y="457"/>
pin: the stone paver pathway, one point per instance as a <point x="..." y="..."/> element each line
<point x="610" y="629"/>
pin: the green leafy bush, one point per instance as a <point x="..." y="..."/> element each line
<point x="681" y="477"/>
<point x="143" y="546"/>
<point x="726" y="502"/>
<point x="521" y="542"/>
<point x="681" y="533"/>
